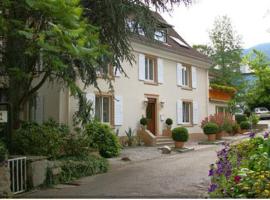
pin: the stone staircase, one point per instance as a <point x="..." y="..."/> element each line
<point x="164" y="140"/>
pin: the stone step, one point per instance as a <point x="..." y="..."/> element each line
<point x="168" y="143"/>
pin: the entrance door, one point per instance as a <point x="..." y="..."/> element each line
<point x="151" y="115"/>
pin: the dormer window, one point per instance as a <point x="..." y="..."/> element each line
<point x="133" y="27"/>
<point x="161" y="35"/>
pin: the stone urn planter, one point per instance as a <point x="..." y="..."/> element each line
<point x="143" y="123"/>
<point x="180" y="136"/>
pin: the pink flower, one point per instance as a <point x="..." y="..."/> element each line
<point x="237" y="179"/>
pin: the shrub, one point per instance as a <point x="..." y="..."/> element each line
<point x="46" y="139"/>
<point x="210" y="128"/>
<point x="235" y="128"/>
<point x="245" y="125"/>
<point x="240" y="118"/>
<point x="101" y="136"/>
<point x="169" y="121"/>
<point x="143" y="121"/>
<point x="180" y="134"/>
<point x="76" y="145"/>
<point x="3" y="151"/>
<point x="221" y="119"/>
<point x="242" y="170"/>
<point x="76" y="167"/>
<point x="254" y="119"/>
<point x="228" y="127"/>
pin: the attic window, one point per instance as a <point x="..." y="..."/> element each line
<point x="179" y="41"/>
<point x="161" y="35"/>
<point x="134" y="27"/>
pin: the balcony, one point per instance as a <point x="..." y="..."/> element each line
<point x="221" y="93"/>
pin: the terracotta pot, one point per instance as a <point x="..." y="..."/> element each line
<point x="211" y="137"/>
<point x="219" y="135"/>
<point x="179" y="144"/>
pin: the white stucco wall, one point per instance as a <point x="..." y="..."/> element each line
<point x="133" y="91"/>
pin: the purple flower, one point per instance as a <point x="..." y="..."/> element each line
<point x="251" y="134"/>
<point x="212" y="187"/>
<point x="211" y="172"/>
<point x="266" y="135"/>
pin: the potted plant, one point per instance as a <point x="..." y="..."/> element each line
<point x="211" y="129"/>
<point x="143" y="123"/>
<point x="169" y="123"/>
<point x="180" y="136"/>
<point x="130" y="137"/>
<point x="245" y="126"/>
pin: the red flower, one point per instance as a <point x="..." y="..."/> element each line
<point x="237" y="179"/>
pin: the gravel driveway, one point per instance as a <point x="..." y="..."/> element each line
<point x="177" y="175"/>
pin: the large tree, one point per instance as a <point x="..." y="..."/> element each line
<point x="258" y="94"/>
<point x="66" y="40"/>
<point x="225" y="51"/>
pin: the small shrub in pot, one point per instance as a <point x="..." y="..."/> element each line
<point x="143" y="121"/>
<point x="180" y="135"/>
<point x="211" y="129"/>
<point x="245" y="125"/>
<point x="240" y="118"/>
<point x="169" y="122"/>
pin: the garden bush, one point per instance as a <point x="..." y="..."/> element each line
<point x="143" y="121"/>
<point x="235" y="128"/>
<point x="254" y="119"/>
<point x="76" y="167"/>
<point x="169" y="121"/>
<point x="101" y="137"/>
<point x="241" y="118"/>
<point x="46" y="139"/>
<point x="210" y="128"/>
<point x="180" y="134"/>
<point x="242" y="170"/>
<point x="3" y="151"/>
<point x="245" y="125"/>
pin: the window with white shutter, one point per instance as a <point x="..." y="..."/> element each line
<point x="179" y="112"/>
<point x="179" y="74"/>
<point x="116" y="72"/>
<point x="91" y="97"/>
<point x="194" y="77"/>
<point x="196" y="112"/>
<point x="141" y="67"/>
<point x="118" y="110"/>
<point x="160" y="70"/>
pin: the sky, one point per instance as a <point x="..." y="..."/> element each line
<point x="250" y="19"/>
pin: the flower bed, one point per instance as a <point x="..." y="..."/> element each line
<point x="242" y="170"/>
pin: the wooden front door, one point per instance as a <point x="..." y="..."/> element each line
<point x="151" y="115"/>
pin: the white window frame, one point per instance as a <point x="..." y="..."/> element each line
<point x="184" y="112"/>
<point x="101" y="109"/>
<point x="147" y="69"/>
<point x="185" y="76"/>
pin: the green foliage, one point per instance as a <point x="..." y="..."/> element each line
<point x="211" y="128"/>
<point x="77" y="167"/>
<point x="254" y="119"/>
<point x="241" y="118"/>
<point x="228" y="127"/>
<point x="235" y="128"/>
<point x="84" y="115"/>
<point x="143" y="121"/>
<point x="225" y="52"/>
<point x="101" y="137"/>
<point x="246" y="172"/>
<point x="46" y="139"/>
<point x="76" y="145"/>
<point x="3" y="152"/>
<point x="169" y="121"/>
<point x="245" y="125"/>
<point x="130" y="136"/>
<point x="180" y="134"/>
<point x="257" y="94"/>
<point x="223" y="88"/>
